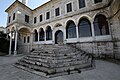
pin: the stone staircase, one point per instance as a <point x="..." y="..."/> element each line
<point x="55" y="60"/>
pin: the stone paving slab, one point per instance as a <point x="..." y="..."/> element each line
<point x="103" y="71"/>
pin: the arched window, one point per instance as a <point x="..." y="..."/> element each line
<point x="71" y="30"/>
<point x="48" y="33"/>
<point x="84" y="28"/>
<point x="35" y="35"/>
<point x="101" y="25"/>
<point x="41" y="34"/>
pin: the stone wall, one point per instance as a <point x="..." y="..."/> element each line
<point x="98" y="49"/>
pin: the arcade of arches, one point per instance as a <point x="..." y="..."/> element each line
<point x="84" y="30"/>
<point x="60" y="36"/>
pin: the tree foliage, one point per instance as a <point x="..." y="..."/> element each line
<point x="4" y="44"/>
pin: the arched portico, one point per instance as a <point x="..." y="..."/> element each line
<point x="12" y="40"/>
<point x="19" y="37"/>
<point x="24" y="37"/>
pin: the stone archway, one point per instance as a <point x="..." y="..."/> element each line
<point x="59" y="37"/>
<point x="24" y="38"/>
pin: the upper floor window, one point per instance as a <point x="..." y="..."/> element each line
<point x="35" y="20"/>
<point x="27" y="18"/>
<point x="9" y="19"/>
<point x="48" y="15"/>
<point x="57" y="11"/>
<point x="41" y="18"/>
<point x="97" y="1"/>
<point x="14" y="16"/>
<point x="81" y="3"/>
<point x="69" y="7"/>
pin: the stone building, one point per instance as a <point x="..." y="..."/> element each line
<point x="91" y="25"/>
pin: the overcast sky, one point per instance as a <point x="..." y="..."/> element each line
<point x="4" y="4"/>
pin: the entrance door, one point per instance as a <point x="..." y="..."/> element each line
<point x="59" y="37"/>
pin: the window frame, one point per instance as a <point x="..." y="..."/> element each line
<point x="47" y="15"/>
<point x="58" y="11"/>
<point x="71" y="6"/>
<point x="9" y="19"/>
<point x="14" y="16"/>
<point x="35" y="20"/>
<point x="27" y="18"/>
<point x="82" y="6"/>
<point x="40" y="17"/>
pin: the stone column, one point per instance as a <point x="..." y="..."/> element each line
<point x="38" y="39"/>
<point x="10" y="43"/>
<point x="64" y="36"/>
<point x="93" y="36"/>
<point x="53" y="37"/>
<point x="16" y="40"/>
<point x="38" y="36"/>
<point x="45" y="36"/>
<point x="31" y="41"/>
<point x="93" y="32"/>
<point x="77" y="33"/>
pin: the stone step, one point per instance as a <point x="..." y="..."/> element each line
<point x="57" y="59"/>
<point x="51" y="75"/>
<point x="65" y="57"/>
<point x="54" y="59"/>
<point x="58" y="54"/>
<point x="54" y="63"/>
<point x="36" y="67"/>
<point x="55" y="69"/>
<point x="36" y="63"/>
<point x="54" y="50"/>
<point x="72" y="67"/>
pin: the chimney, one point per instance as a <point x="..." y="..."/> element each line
<point x="25" y="2"/>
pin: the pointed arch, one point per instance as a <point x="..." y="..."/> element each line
<point x="35" y="34"/>
<point x="71" y="29"/>
<point x="84" y="28"/>
<point x="41" y="34"/>
<point x="101" y="25"/>
<point x="48" y="33"/>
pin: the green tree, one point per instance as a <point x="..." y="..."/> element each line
<point x="4" y="44"/>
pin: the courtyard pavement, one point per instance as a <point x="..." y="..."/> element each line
<point x="104" y="70"/>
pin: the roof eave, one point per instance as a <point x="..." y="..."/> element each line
<point x="17" y="2"/>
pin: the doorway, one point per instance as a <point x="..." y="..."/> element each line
<point x="59" y="37"/>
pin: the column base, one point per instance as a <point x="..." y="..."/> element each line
<point x="9" y="52"/>
<point x="15" y="53"/>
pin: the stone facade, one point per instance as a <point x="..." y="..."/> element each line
<point x="102" y="44"/>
